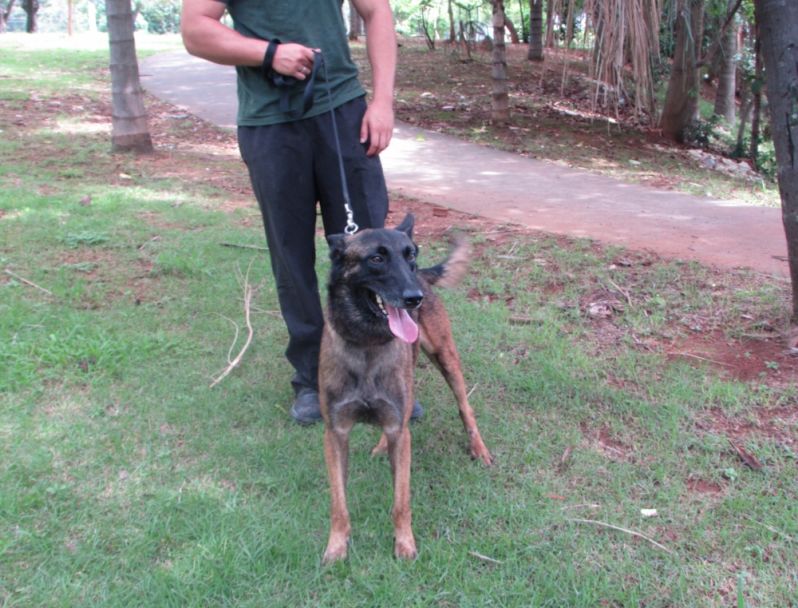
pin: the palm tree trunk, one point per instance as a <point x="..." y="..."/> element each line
<point x="535" y="52"/>
<point x="129" y="124"/>
<point x="500" y="113"/>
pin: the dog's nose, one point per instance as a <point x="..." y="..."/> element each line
<point x="413" y="298"/>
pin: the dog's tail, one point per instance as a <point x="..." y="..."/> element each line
<point x="449" y="272"/>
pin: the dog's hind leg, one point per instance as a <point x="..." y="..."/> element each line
<point x="381" y="447"/>
<point x="336" y="454"/>
<point x="399" y="455"/>
<point x="438" y="344"/>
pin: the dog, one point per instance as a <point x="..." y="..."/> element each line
<point x="380" y="309"/>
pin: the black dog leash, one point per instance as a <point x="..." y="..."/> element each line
<point x="288" y="86"/>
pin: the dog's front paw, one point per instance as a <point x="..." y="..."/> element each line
<point x="336" y="550"/>
<point x="405" y="548"/>
<point x="480" y="452"/>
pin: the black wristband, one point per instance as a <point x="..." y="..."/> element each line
<point x="268" y="58"/>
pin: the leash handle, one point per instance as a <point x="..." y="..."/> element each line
<point x="351" y="226"/>
<point x="287" y="82"/>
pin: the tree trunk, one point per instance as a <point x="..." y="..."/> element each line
<point x="756" y="91"/>
<point x="549" y="24"/>
<point x="500" y="113"/>
<point x="5" y="14"/>
<point x="535" y="30"/>
<point x="31" y="7"/>
<point x="727" y="75"/>
<point x="681" y="100"/>
<point x="745" y="110"/>
<point x="511" y="28"/>
<point x="129" y="125"/>
<point x="452" y="32"/>
<point x="569" y="28"/>
<point x="778" y="21"/>
<point x="355" y="22"/>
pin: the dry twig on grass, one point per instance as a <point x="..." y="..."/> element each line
<point x="249" y="292"/>
<point x="484" y="558"/>
<point x="11" y="273"/>
<point x="604" y="524"/>
<point x="244" y="246"/>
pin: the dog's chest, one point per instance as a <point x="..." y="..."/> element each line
<point x="371" y="376"/>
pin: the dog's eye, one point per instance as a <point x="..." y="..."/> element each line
<point x="376" y="259"/>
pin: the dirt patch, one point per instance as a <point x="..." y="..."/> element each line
<point x="602" y="440"/>
<point x="702" y="486"/>
<point x="778" y="424"/>
<point x="762" y="359"/>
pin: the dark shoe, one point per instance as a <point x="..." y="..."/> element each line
<point x="418" y="412"/>
<point x="306" y="407"/>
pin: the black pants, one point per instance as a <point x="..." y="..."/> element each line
<point x="293" y="166"/>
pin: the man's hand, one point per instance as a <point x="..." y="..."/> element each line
<point x="377" y="127"/>
<point x="293" y="60"/>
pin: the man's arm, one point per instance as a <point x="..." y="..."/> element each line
<point x="205" y="36"/>
<point x="381" y="44"/>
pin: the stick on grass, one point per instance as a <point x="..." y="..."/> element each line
<point x="27" y="282"/>
<point x="604" y="524"/>
<point x="484" y="558"/>
<point x="249" y="291"/>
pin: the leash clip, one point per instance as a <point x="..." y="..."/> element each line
<point x="351" y="226"/>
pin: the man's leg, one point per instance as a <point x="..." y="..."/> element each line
<point x="280" y="163"/>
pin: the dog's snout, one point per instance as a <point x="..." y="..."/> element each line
<point x="413" y="298"/>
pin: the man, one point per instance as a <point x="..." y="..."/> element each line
<point x="292" y="160"/>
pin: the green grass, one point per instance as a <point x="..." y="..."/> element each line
<point x="125" y="480"/>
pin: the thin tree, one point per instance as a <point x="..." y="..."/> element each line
<point x="514" y="39"/>
<point x="550" y="22"/>
<point x="778" y="21"/>
<point x="757" y="84"/>
<point x="500" y="111"/>
<point x="452" y="31"/>
<point x="681" y="100"/>
<point x="535" y="52"/>
<point x="5" y="14"/>
<point x="727" y="75"/>
<point x="129" y="124"/>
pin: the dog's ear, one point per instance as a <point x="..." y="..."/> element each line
<point x="337" y="243"/>
<point x="407" y="225"/>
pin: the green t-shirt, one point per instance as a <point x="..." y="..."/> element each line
<point x="313" y="23"/>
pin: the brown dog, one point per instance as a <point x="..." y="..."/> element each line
<point x="380" y="308"/>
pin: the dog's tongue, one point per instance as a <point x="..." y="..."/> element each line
<point x="401" y="324"/>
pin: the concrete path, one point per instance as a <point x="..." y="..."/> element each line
<point x="502" y="186"/>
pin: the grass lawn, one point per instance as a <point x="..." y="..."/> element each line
<point x="605" y="382"/>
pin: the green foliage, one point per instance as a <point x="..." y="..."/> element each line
<point x="701" y="132"/>
<point x="159" y="16"/>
